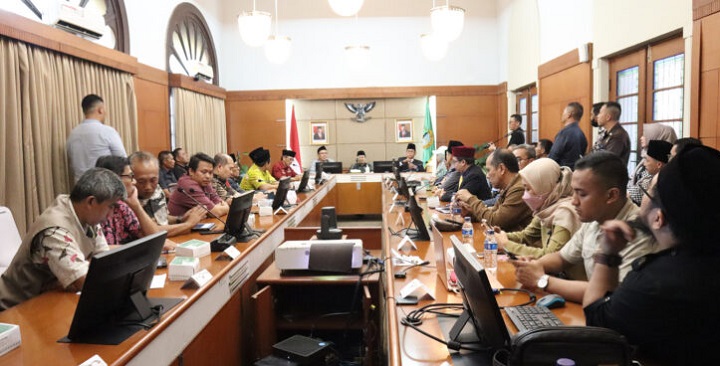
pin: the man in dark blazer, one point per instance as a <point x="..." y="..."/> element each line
<point x="409" y="163"/>
<point x="472" y="177"/>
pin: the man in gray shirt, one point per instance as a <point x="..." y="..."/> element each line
<point x="92" y="139"/>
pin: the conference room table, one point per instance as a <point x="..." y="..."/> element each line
<point x="406" y="346"/>
<point x="213" y="324"/>
<point x="207" y="327"/>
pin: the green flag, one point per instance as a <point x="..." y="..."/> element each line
<point x="428" y="139"/>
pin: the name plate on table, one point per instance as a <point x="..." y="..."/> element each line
<point x="198" y="279"/>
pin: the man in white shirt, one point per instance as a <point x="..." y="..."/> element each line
<point x="92" y="139"/>
<point x="599" y="183"/>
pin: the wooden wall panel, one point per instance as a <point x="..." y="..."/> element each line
<point x="251" y="124"/>
<point x="563" y="81"/>
<point x="502" y="109"/>
<point x="153" y="110"/>
<point x="470" y="119"/>
<point x="706" y="81"/>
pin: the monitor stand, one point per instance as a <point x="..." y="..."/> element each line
<point x="457" y="329"/>
<point x="141" y="317"/>
<point x="247" y="234"/>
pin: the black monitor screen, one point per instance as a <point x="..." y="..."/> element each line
<point x="281" y="193"/>
<point x="478" y="299"/>
<point x="417" y="219"/>
<point x="239" y="212"/>
<point x="113" y="305"/>
<point x="382" y="166"/>
<point x="403" y="188"/>
<point x="318" y="172"/>
<point x="304" y="182"/>
<point x="334" y="167"/>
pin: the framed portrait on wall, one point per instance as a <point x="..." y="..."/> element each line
<point x="403" y="130"/>
<point x="319" y="133"/>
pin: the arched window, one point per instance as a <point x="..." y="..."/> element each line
<point x="190" y="46"/>
<point x="115" y="34"/>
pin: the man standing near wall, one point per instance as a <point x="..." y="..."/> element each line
<point x="614" y="138"/>
<point x="570" y="142"/>
<point x="92" y="139"/>
<point x="517" y="134"/>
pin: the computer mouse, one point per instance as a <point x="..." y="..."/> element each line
<point x="551" y="301"/>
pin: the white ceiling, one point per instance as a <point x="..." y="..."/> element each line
<point x="310" y="9"/>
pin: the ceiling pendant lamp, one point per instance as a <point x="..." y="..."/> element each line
<point x="254" y="26"/>
<point x="447" y="21"/>
<point x="346" y="8"/>
<point x="277" y="47"/>
<point x="433" y="47"/>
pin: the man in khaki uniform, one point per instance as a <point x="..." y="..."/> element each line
<point x="56" y="251"/>
<point x="510" y="211"/>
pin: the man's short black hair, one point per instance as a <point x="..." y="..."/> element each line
<point x="608" y="168"/>
<point x="116" y="164"/>
<point x="321" y="148"/>
<point x="517" y="117"/>
<point x="576" y="110"/>
<point x="163" y="154"/>
<point x="90" y="102"/>
<point x="614" y="109"/>
<point x="546" y="145"/>
<point x="176" y="152"/>
<point x="197" y="158"/>
<point x="597" y="107"/>
<point x="505" y="157"/>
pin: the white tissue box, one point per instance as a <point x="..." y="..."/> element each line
<point x="181" y="268"/>
<point x="9" y="337"/>
<point x="193" y="248"/>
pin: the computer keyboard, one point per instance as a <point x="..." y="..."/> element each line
<point x="531" y="317"/>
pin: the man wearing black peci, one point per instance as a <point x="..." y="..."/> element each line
<point x="409" y="163"/>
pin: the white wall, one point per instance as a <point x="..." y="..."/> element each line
<point x="318" y="60"/>
<point x="564" y="25"/>
<point x="620" y="24"/>
<point x="523" y="42"/>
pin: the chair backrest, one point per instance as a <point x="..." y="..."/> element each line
<point x="10" y="238"/>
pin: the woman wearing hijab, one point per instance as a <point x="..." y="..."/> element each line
<point x="640" y="177"/>
<point x="548" y="194"/>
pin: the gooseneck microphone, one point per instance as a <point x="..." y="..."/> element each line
<point x="192" y="190"/>
<point x="487" y="144"/>
<point x="403" y="273"/>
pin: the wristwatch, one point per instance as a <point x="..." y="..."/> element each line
<point x="610" y="260"/>
<point x="542" y="283"/>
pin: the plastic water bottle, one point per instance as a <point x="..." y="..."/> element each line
<point x="490" y="251"/>
<point x="468" y="232"/>
<point x="455" y="210"/>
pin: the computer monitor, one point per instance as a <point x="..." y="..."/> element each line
<point x="478" y="300"/>
<point x="236" y="224"/>
<point x="281" y="193"/>
<point x="113" y="303"/>
<point x="403" y="188"/>
<point x="334" y="167"/>
<point x="318" y="173"/>
<point x="382" y="166"/>
<point x="302" y="188"/>
<point x="420" y="232"/>
<point x="396" y="170"/>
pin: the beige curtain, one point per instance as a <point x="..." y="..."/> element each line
<point x="199" y="122"/>
<point x="40" y="95"/>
